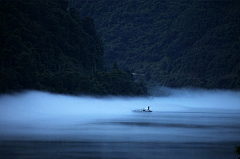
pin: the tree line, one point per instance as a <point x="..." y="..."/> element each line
<point x="45" y="45"/>
<point x="175" y="43"/>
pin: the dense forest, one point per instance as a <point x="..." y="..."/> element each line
<point x="45" y="45"/>
<point x="171" y="43"/>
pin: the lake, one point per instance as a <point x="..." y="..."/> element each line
<point x="44" y="125"/>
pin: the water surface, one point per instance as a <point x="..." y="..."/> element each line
<point x="185" y="125"/>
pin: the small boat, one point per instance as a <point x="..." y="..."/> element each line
<point x="142" y="110"/>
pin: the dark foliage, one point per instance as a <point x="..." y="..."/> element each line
<point x="45" y="45"/>
<point x="237" y="151"/>
<point x="177" y="43"/>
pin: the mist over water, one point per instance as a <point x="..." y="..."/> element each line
<point x="184" y="116"/>
<point x="39" y="113"/>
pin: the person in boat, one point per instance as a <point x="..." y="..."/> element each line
<point x="147" y="108"/>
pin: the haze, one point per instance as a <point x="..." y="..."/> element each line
<point x="41" y="113"/>
<point x="36" y="122"/>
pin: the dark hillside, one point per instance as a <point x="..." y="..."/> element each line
<point x="174" y="43"/>
<point x="44" y="45"/>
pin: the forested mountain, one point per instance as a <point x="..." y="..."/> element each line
<point x="174" y="43"/>
<point x="45" y="45"/>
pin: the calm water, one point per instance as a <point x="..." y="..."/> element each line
<point x="176" y="129"/>
<point x="139" y="135"/>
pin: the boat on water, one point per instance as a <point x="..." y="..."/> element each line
<point x="142" y="110"/>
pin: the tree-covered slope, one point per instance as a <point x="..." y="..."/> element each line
<point x="45" y="45"/>
<point x="174" y="43"/>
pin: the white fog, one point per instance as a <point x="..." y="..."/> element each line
<point x="184" y="116"/>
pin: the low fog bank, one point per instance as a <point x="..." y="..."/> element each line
<point x="190" y="92"/>
<point x="197" y="98"/>
<point x="35" y="112"/>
